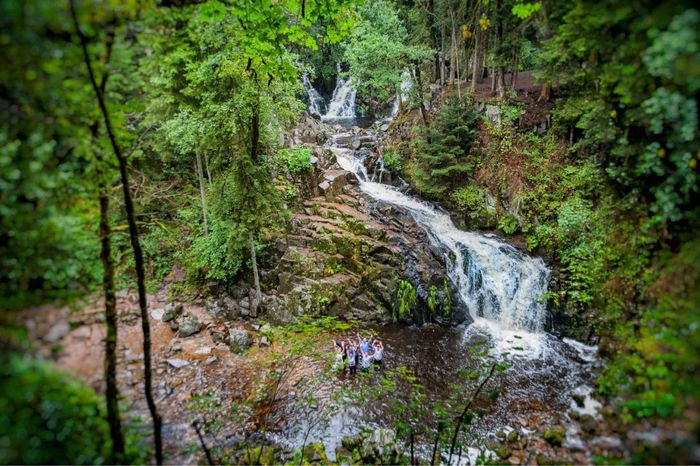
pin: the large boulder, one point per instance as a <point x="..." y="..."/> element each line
<point x="189" y="326"/>
<point x="225" y="308"/>
<point x="239" y="339"/>
<point x="172" y="311"/>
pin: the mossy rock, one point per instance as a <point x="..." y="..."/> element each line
<point x="503" y="451"/>
<point x="513" y="435"/>
<point x="263" y="456"/>
<point x="555" y="436"/>
<point x="546" y="460"/>
<point x="343" y="456"/>
<point x="315" y="454"/>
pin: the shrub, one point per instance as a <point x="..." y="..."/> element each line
<point x="297" y="160"/>
<point x="48" y="417"/>
<point x="393" y="161"/>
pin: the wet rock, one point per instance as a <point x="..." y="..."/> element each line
<point x="59" y="330"/>
<point x="189" y="326"/>
<point x="384" y="127"/>
<point x="174" y="326"/>
<point x="555" y="436"/>
<point x="172" y="312"/>
<point x="239" y="340"/>
<point x="204" y="350"/>
<point x="264" y="341"/>
<point x="211" y="360"/>
<point x="579" y="399"/>
<point x="157" y="314"/>
<point x="177" y="363"/>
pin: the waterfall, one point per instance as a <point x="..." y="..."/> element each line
<point x="502" y="288"/>
<point x="317" y="105"/>
<point x="402" y="94"/>
<point x="342" y="104"/>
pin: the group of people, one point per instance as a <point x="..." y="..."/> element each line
<point x="360" y="355"/>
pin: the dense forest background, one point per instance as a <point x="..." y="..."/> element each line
<point x="171" y="156"/>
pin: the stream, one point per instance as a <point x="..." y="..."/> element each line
<point x="503" y="290"/>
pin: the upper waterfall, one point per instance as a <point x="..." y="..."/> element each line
<point x="342" y="104"/>
<point x="317" y="105"/>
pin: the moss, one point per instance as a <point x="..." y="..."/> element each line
<point x="315" y="454"/>
<point x="263" y="456"/>
<point x="555" y="436"/>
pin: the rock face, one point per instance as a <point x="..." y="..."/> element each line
<point x="239" y="340"/>
<point x="343" y="256"/>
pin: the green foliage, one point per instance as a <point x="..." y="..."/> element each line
<point x="471" y="200"/>
<point x="393" y="160"/>
<point x="511" y="113"/>
<point x="49" y="417"/>
<point x="405" y="300"/>
<point x="433" y="300"/>
<point x="442" y="154"/>
<point x="508" y="224"/>
<point x="297" y="160"/>
<point x="642" y="116"/>
<point x="379" y="51"/>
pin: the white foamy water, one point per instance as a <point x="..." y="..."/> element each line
<point x="317" y="105"/>
<point x="498" y="284"/>
<point x="342" y="104"/>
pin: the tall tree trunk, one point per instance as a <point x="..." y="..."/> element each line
<point x="133" y="234"/>
<point x="442" y="55"/>
<point x="500" y="69"/>
<point x="514" y="71"/>
<point x="206" y="165"/>
<point x="110" y="363"/>
<point x="432" y="28"/>
<point x="202" y="192"/>
<point x="476" y="69"/>
<point x="421" y="100"/>
<point x="255" y="133"/>
<point x="256" y="278"/>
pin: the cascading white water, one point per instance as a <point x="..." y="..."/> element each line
<point x="317" y="105"/>
<point x="342" y="104"/>
<point x="497" y="283"/>
<point x="402" y="94"/>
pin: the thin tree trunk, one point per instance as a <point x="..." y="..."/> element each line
<point x="133" y="233"/>
<point x="460" y="420"/>
<point x="202" y="192"/>
<point x="475" y="66"/>
<point x="456" y="55"/>
<point x="110" y="363"/>
<point x="434" y="456"/>
<point x="256" y="278"/>
<point x="442" y="55"/>
<point x="421" y="102"/>
<point x="206" y="165"/>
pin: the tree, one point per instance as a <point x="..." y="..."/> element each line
<point x="441" y="153"/>
<point x="379" y="53"/>
<point x="133" y="234"/>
